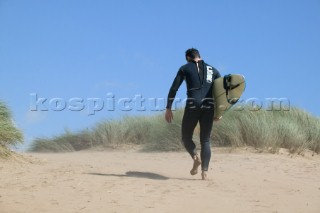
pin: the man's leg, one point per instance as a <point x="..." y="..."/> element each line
<point x="206" y="123"/>
<point x="189" y="122"/>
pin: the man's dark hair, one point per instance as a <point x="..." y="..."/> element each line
<point x="192" y="53"/>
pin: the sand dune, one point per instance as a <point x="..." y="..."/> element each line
<point x="130" y="181"/>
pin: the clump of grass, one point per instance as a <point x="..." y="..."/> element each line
<point x="9" y="134"/>
<point x="294" y="130"/>
<point x="151" y="132"/>
<point x="67" y="142"/>
<point x="163" y="136"/>
<point x="116" y="133"/>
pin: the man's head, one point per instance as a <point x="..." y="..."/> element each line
<point x="192" y="54"/>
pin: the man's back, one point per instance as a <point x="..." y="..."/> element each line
<point x="199" y="78"/>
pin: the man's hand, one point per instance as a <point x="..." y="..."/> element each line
<point x="169" y="115"/>
<point x="217" y="119"/>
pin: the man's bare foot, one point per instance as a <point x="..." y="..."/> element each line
<point x="196" y="164"/>
<point x="204" y="175"/>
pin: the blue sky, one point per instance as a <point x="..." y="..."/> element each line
<point x="87" y="49"/>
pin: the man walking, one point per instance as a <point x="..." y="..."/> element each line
<point x="199" y="77"/>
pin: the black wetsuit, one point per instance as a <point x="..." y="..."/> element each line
<point x="199" y="106"/>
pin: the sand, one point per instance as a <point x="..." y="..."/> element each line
<point x="131" y="181"/>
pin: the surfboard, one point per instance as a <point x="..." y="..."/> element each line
<point x="227" y="90"/>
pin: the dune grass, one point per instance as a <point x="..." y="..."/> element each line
<point x="150" y="132"/>
<point x="294" y="130"/>
<point x="9" y="134"/>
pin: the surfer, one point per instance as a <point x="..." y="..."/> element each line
<point x="199" y="77"/>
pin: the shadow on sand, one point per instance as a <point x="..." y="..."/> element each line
<point x="136" y="174"/>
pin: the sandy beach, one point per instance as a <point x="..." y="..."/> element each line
<point x="131" y="181"/>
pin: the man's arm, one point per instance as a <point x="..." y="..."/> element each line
<point x="172" y="94"/>
<point x="174" y="88"/>
<point x="217" y="74"/>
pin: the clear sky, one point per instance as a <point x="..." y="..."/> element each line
<point x="66" y="49"/>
